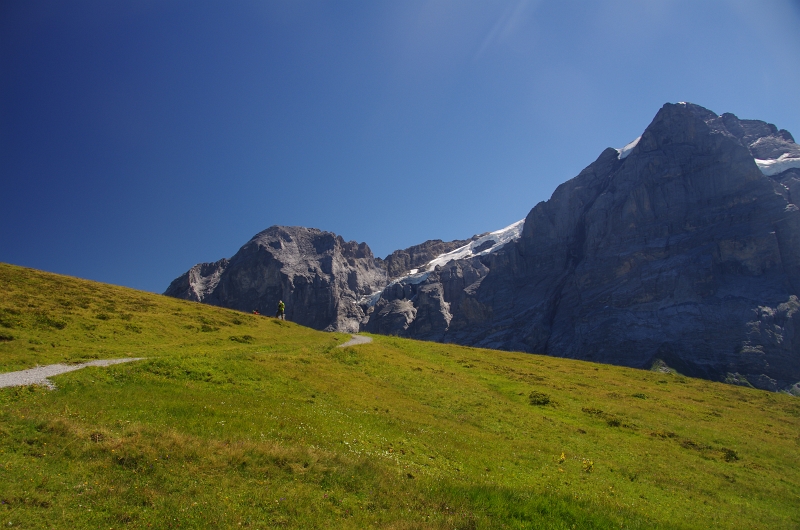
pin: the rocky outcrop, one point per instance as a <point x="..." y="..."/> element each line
<point x="197" y="283"/>
<point x="682" y="248"/>
<point x="318" y="275"/>
<point x="424" y="305"/>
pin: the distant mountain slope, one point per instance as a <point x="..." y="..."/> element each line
<point x="683" y="247"/>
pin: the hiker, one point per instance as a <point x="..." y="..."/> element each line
<point x="255" y="312"/>
<point x="281" y="309"/>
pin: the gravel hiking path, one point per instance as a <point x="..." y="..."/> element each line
<point x="39" y="375"/>
<point x="357" y="339"/>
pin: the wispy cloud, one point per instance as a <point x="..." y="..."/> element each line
<point x="507" y="25"/>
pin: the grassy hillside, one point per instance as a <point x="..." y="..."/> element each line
<point x="237" y="421"/>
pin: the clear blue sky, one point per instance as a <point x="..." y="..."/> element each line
<point x="138" y="138"/>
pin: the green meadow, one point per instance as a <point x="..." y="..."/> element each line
<point x="239" y="421"/>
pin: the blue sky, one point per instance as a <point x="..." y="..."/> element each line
<point x="139" y="138"/>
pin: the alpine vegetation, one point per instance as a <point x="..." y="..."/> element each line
<point x="230" y="420"/>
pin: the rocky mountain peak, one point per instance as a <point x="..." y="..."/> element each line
<point x="318" y="274"/>
<point x="682" y="248"/>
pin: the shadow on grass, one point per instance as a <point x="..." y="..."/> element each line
<point x="479" y="506"/>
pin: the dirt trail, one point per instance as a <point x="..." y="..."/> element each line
<point x="39" y="375"/>
<point x="357" y="339"/>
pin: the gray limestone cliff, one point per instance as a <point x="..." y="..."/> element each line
<point x="317" y="274"/>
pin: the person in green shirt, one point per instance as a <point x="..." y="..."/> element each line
<point x="281" y="308"/>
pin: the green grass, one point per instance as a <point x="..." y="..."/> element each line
<point x="237" y="421"/>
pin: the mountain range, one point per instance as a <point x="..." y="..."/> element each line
<point x="680" y="250"/>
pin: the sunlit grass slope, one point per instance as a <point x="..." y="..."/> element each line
<point x="237" y="421"/>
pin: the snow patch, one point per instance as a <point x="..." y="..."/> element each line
<point x="481" y="246"/>
<point x="625" y="151"/>
<point x="779" y="165"/>
<point x="486" y="244"/>
<point x="413" y="278"/>
<point x="371" y="299"/>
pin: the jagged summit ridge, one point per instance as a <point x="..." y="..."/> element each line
<point x="681" y="247"/>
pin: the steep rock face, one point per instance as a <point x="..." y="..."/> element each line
<point x="682" y="251"/>
<point x="317" y="274"/>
